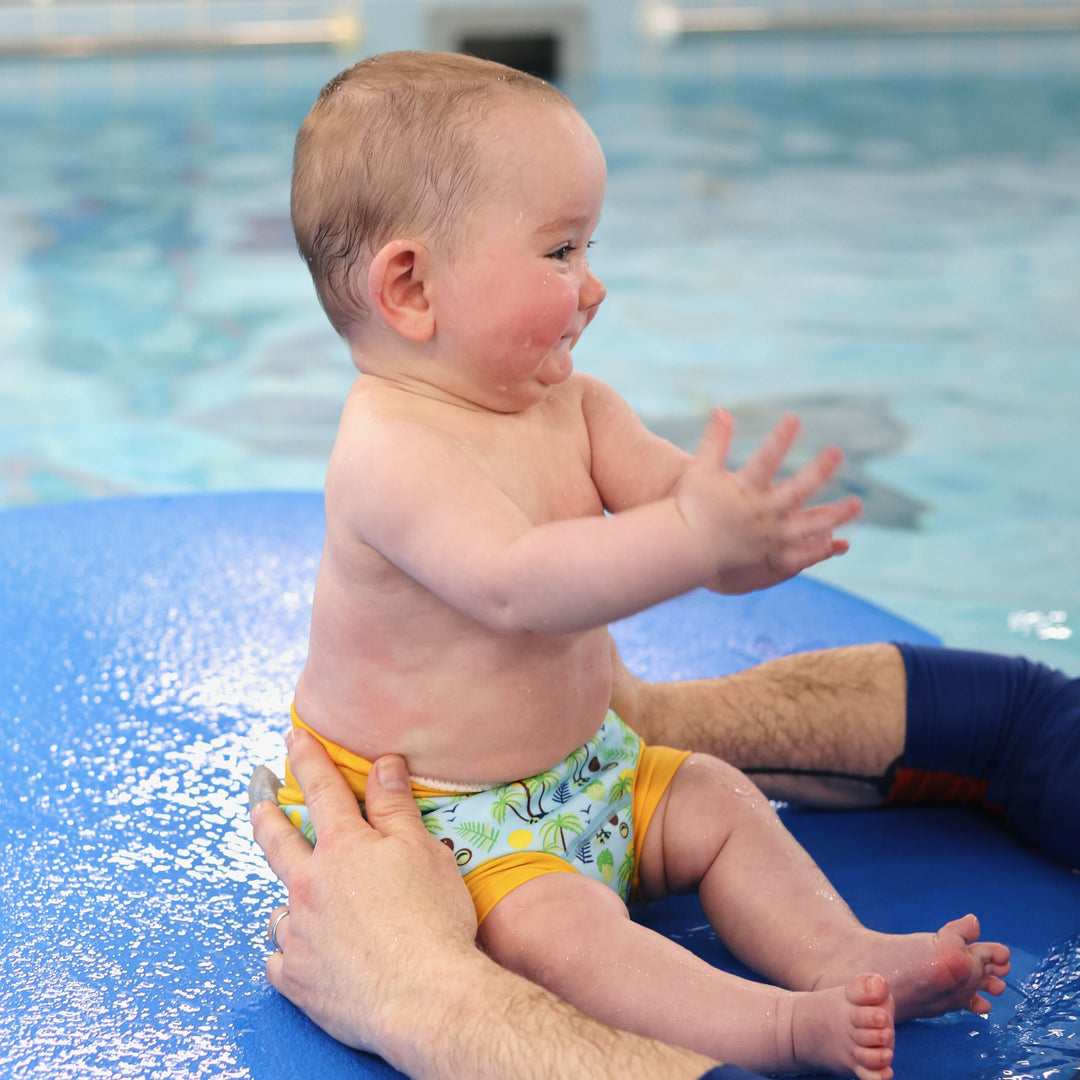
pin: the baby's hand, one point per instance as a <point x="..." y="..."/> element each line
<point x="753" y="528"/>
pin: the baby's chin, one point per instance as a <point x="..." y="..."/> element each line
<point x="558" y="365"/>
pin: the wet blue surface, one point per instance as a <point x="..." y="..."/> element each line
<point x="149" y="652"/>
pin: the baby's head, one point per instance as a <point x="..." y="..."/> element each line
<point x="391" y="147"/>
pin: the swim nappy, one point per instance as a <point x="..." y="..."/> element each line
<point x="587" y="815"/>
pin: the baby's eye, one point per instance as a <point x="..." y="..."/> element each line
<point x="564" y="253"/>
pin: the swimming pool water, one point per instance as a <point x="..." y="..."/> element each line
<point x="894" y="254"/>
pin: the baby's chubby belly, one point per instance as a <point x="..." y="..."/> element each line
<point x="465" y="717"/>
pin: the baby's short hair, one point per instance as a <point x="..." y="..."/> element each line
<point x="387" y="150"/>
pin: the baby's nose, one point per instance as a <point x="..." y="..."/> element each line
<point x="593" y="291"/>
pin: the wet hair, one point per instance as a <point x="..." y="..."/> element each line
<point x="390" y="149"/>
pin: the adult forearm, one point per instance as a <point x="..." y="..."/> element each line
<point x="481" y="1022"/>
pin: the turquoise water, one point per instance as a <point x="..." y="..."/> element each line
<point x="893" y="253"/>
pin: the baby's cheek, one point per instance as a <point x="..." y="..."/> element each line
<point x="551" y="311"/>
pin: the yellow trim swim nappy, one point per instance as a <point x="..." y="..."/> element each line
<point x="589" y="814"/>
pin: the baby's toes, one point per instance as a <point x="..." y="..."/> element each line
<point x="874" y="1036"/>
<point x="875" y="1065"/>
<point x="997" y="962"/>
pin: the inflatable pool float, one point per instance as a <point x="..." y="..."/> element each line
<point x="150" y="648"/>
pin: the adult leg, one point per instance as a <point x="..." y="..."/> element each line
<point x="820" y="728"/>
<point x="573" y="935"/>
<point x="1000" y="731"/>
<point x="868" y="724"/>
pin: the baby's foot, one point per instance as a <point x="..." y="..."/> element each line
<point x="932" y="974"/>
<point x="846" y="1029"/>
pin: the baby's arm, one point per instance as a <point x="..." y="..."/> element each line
<point x="437" y="515"/>
<point x="756" y="526"/>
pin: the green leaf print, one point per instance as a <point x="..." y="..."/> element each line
<point x="481" y="836"/>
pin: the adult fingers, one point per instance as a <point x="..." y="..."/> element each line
<point x="277" y="926"/>
<point x="329" y="799"/>
<point x="764" y="463"/>
<point x="275" y="974"/>
<point x="282" y="844"/>
<point x="391" y="808"/>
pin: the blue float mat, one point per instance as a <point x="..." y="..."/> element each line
<point x="149" y="652"/>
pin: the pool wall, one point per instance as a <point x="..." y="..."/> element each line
<point x="590" y="35"/>
<point x="589" y="38"/>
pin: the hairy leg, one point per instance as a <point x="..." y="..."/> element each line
<point x="775" y="909"/>
<point x="859" y="725"/>
<point x="820" y="728"/>
<point x="573" y="935"/>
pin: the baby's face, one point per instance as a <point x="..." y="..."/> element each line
<point x="518" y="291"/>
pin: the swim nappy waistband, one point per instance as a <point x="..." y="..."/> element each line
<point x="355" y="769"/>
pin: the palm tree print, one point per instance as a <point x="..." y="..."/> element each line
<point x="508" y="798"/>
<point x="543" y="782"/>
<point x="554" y="831"/>
<point x="623" y="786"/>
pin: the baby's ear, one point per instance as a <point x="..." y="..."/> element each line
<point x="397" y="289"/>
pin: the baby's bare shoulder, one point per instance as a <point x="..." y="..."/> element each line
<point x="376" y="418"/>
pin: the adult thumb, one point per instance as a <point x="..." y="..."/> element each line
<point x="388" y="801"/>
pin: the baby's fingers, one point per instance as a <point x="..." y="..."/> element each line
<point x="715" y="442"/>
<point x="801" y="555"/>
<point x="825" y="518"/>
<point x="809" y="535"/>
<point x="798" y="488"/>
<point x="764" y="463"/>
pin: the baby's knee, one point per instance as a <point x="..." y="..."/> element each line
<point x="566" y="909"/>
<point x="707" y="779"/>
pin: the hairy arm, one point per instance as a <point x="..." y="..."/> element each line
<point x="489" y="1022"/>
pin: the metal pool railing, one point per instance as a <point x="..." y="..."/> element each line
<point x="66" y="29"/>
<point x="665" y="21"/>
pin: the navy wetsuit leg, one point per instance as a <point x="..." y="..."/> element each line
<point x="1006" y="730"/>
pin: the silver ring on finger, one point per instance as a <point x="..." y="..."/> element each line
<point x="273" y="928"/>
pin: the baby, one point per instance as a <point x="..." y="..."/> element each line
<point x="489" y="511"/>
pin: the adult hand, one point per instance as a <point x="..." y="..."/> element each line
<point x="377" y="909"/>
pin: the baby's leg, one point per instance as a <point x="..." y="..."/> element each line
<point x="777" y="912"/>
<point x="573" y="935"/>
